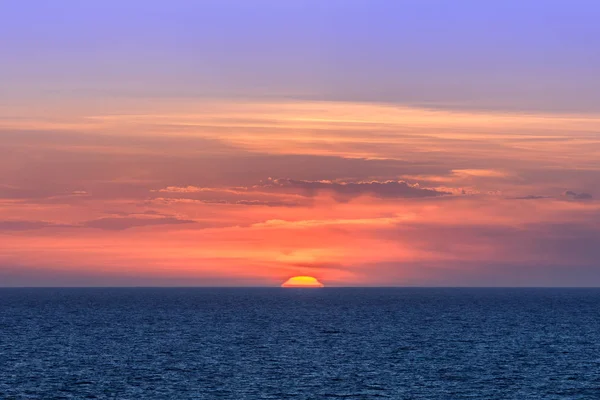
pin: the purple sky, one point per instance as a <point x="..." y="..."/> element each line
<point x="510" y="54"/>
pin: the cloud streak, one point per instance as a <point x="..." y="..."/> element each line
<point x="360" y="194"/>
<point x="348" y="190"/>
<point x="578" y="196"/>
<point x="111" y="224"/>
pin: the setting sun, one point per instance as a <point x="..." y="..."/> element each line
<point x="302" y="281"/>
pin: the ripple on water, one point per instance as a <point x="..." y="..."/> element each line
<point x="278" y="344"/>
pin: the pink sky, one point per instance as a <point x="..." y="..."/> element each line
<point x="229" y="192"/>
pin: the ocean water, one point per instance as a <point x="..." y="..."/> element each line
<point x="299" y="343"/>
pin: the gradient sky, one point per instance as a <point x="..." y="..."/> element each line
<point x="416" y="142"/>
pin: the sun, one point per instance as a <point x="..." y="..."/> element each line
<point x="302" y="282"/>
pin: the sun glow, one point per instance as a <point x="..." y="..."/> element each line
<point x="302" y="281"/>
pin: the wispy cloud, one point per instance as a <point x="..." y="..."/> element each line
<point x="360" y="193"/>
<point x="578" y="196"/>
<point x="385" y="189"/>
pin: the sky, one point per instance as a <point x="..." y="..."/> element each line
<point x="243" y="142"/>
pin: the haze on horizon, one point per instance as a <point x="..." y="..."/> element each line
<point x="240" y="143"/>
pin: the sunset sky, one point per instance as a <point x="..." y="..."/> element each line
<point x="243" y="142"/>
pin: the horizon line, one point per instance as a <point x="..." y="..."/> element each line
<point x="279" y="287"/>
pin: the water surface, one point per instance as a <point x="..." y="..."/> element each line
<point x="300" y="343"/>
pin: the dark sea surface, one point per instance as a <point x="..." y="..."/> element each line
<point x="300" y="343"/>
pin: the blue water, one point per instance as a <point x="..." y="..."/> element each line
<point x="299" y="344"/>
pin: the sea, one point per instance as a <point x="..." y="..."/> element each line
<point x="274" y="343"/>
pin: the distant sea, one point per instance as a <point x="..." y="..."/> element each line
<point x="330" y="343"/>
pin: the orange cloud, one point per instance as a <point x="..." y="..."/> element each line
<point x="359" y="194"/>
